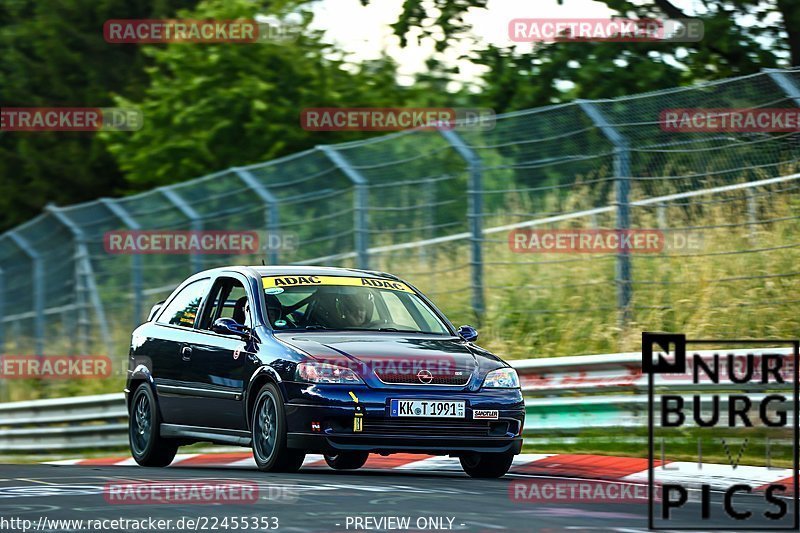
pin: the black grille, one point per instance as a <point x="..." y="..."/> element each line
<point x="440" y="426"/>
<point x="435" y="378"/>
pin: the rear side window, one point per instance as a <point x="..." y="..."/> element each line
<point x="182" y="310"/>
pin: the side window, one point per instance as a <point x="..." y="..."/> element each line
<point x="234" y="307"/>
<point x="217" y="299"/>
<point x="182" y="310"/>
<point x="229" y="300"/>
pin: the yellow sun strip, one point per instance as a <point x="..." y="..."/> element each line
<point x="310" y="281"/>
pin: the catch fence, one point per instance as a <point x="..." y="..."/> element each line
<point x="437" y="206"/>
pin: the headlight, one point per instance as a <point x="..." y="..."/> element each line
<point x="316" y="372"/>
<point x="502" y="378"/>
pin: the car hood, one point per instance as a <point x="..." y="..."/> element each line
<point x="384" y="359"/>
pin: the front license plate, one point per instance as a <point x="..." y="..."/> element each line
<point x="427" y="408"/>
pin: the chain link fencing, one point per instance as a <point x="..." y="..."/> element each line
<point x="437" y="206"/>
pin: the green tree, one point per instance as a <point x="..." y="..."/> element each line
<point x="209" y="107"/>
<point x="53" y="54"/>
<point x="741" y="37"/>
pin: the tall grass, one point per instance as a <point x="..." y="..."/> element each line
<point x="743" y="282"/>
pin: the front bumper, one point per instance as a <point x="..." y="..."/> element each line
<point x="320" y="419"/>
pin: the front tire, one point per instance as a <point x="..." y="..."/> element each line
<point x="269" y="434"/>
<point x="148" y="448"/>
<point x="486" y="465"/>
<point x="347" y="460"/>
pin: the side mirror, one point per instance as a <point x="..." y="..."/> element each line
<point x="468" y="333"/>
<point x="228" y="326"/>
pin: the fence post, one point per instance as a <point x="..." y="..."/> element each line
<point x="474" y="216"/>
<point x="38" y="288"/>
<point x="785" y="82"/>
<point x="85" y="274"/>
<point x="360" y="203"/>
<point x="194" y="217"/>
<point x="430" y="215"/>
<point x="752" y="213"/>
<point x="136" y="259"/>
<point x="622" y="174"/>
<point x="271" y="205"/>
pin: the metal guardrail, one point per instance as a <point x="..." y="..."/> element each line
<point x="563" y="395"/>
<point x="81" y="422"/>
<point x="569" y="394"/>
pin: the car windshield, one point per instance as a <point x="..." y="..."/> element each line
<point x="347" y="303"/>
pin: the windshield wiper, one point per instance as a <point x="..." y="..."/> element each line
<point x="395" y="330"/>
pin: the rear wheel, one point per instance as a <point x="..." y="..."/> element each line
<point x="486" y="465"/>
<point x="269" y="434"/>
<point x="347" y="460"/>
<point x="147" y="446"/>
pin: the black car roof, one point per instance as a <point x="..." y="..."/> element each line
<point x="294" y="270"/>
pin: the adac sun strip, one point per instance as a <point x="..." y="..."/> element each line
<point x="299" y="281"/>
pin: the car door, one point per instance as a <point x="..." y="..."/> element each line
<point x="170" y="351"/>
<point x="222" y="364"/>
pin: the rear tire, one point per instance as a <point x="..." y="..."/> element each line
<point x="269" y="434"/>
<point x="148" y="448"/>
<point x="486" y="465"/>
<point x="347" y="460"/>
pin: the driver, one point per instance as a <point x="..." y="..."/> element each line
<point x="355" y="309"/>
<point x="340" y="308"/>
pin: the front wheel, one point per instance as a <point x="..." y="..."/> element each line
<point x="486" y="465"/>
<point x="147" y="446"/>
<point x="269" y="434"/>
<point x="347" y="460"/>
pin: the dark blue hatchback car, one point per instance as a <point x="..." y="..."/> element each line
<point x="293" y="360"/>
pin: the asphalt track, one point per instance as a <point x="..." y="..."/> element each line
<point x="321" y="501"/>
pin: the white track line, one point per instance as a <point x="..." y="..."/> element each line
<point x="716" y="475"/>
<point x="64" y="462"/>
<point x="438" y="463"/>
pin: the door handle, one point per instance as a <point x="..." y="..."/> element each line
<point x="186" y="353"/>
